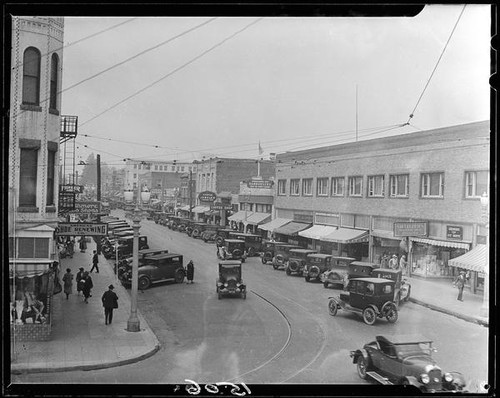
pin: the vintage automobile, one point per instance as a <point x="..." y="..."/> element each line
<point x="223" y="234"/>
<point x="157" y="268"/>
<point x="209" y="232"/>
<point x="371" y="298"/>
<point x="282" y="253"/>
<point x="229" y="280"/>
<point x="253" y="243"/>
<point x="185" y="225"/>
<point x="268" y="249"/>
<point x="125" y="247"/>
<point x="234" y="249"/>
<point x="316" y="264"/>
<point x="405" y="360"/>
<point x="157" y="216"/>
<point x="361" y="269"/>
<point x="402" y="288"/>
<point x="198" y="229"/>
<point x="337" y="274"/>
<point x="297" y="261"/>
<point x="124" y="264"/>
<point x="174" y="222"/>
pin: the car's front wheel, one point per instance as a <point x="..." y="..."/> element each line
<point x="332" y="307"/>
<point x="392" y="314"/>
<point x="144" y="283"/>
<point x="369" y="316"/>
<point x="362" y="366"/>
<point x="179" y="276"/>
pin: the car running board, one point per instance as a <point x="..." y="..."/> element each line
<point x="379" y="378"/>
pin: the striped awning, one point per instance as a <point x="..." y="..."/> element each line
<point x="28" y="269"/>
<point x="257" y="218"/>
<point x="276" y="223"/>
<point x="242" y="215"/>
<point x="200" y="209"/>
<point x="474" y="260"/>
<point x="443" y="243"/>
<point x="317" y="231"/>
<point x="346" y="235"/>
<point x="292" y="228"/>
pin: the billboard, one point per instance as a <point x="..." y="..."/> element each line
<point x="82" y="229"/>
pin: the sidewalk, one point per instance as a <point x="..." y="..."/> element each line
<point x="80" y="339"/>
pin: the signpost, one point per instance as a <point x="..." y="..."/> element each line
<point x="405" y="229"/>
<point x="82" y="229"/>
<point x="260" y="184"/>
<point x="207" y="196"/>
<point x="71" y="188"/>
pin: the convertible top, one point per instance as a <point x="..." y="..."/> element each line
<point x="404" y="339"/>
<point x="373" y="280"/>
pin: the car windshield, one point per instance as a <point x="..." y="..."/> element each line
<point x="406" y="350"/>
<point x="229" y="273"/>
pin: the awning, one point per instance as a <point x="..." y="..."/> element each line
<point x="257" y="218"/>
<point x="200" y="209"/>
<point x="28" y="270"/>
<point x="276" y="223"/>
<point x="242" y="215"/>
<point x="317" y="231"/>
<point x="474" y="260"/>
<point x="211" y="212"/>
<point x="385" y="234"/>
<point x="184" y="208"/>
<point x="292" y="228"/>
<point x="346" y="235"/>
<point x="443" y="243"/>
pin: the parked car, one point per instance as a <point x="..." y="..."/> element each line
<point x="316" y="264"/>
<point x="229" y="280"/>
<point x="222" y="235"/>
<point x="198" y="229"/>
<point x="234" y="249"/>
<point x="125" y="263"/>
<point x="297" y="261"/>
<point x="183" y="224"/>
<point x="371" y="298"/>
<point x="253" y="243"/>
<point x="337" y="274"/>
<point x="209" y="232"/>
<point x="282" y="254"/>
<point x="157" y="268"/>
<point x="361" y="269"/>
<point x="126" y="246"/>
<point x="268" y="250"/>
<point x="157" y="216"/>
<point x="405" y="360"/>
<point x="402" y="288"/>
<point x="174" y="222"/>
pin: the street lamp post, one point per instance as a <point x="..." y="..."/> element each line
<point x="485" y="308"/>
<point x="133" y="323"/>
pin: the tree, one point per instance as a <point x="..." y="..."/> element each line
<point x="89" y="173"/>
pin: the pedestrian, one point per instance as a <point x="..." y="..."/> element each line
<point x="384" y="261"/>
<point x="71" y="248"/>
<point x="402" y="264"/>
<point x="68" y="283"/>
<point x="190" y="272"/>
<point x="109" y="302"/>
<point x="79" y="280"/>
<point x="393" y="262"/>
<point x="83" y="244"/>
<point x="459" y="282"/>
<point x="87" y="286"/>
<point x="95" y="262"/>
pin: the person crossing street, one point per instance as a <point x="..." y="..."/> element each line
<point x="95" y="262"/>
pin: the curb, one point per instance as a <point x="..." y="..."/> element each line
<point x="467" y="318"/>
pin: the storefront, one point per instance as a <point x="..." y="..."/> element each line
<point x="237" y="221"/>
<point x="290" y="233"/>
<point x="271" y="226"/>
<point x="315" y="235"/>
<point x="199" y="213"/>
<point x="254" y="220"/>
<point x="350" y="242"/>
<point x="384" y="245"/>
<point x="474" y="261"/>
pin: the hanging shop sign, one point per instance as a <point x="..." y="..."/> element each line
<point x="402" y="229"/>
<point x="66" y="201"/>
<point x="454" y="232"/>
<point x="207" y="196"/>
<point x="220" y="206"/>
<point x="82" y="229"/>
<point x="260" y="184"/>
<point x="71" y="188"/>
<point x="88" y="207"/>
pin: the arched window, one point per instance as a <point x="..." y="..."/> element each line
<point x="31" y="76"/>
<point x="54" y="68"/>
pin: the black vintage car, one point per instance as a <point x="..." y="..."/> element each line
<point x="371" y="298"/>
<point x="197" y="230"/>
<point x="253" y="243"/>
<point x="125" y="247"/>
<point x="402" y="288"/>
<point x="405" y="360"/>
<point x="209" y="232"/>
<point x="229" y="280"/>
<point x="361" y="269"/>
<point x="233" y="249"/>
<point x="157" y="268"/>
<point x="222" y="235"/>
<point x="125" y="263"/>
<point x="268" y="249"/>
<point x="282" y="253"/>
<point x="297" y="261"/>
<point x="337" y="274"/>
<point x="316" y="264"/>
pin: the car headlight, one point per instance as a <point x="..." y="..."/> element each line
<point x="225" y="284"/>
<point x="448" y="377"/>
<point x="424" y="377"/>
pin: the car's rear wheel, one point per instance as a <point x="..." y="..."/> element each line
<point x="369" y="316"/>
<point x="179" y="276"/>
<point x="332" y="307"/>
<point x="392" y="314"/>
<point x="263" y="261"/>
<point x="144" y="283"/>
<point x="362" y="366"/>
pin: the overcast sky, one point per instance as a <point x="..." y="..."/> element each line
<point x="213" y="88"/>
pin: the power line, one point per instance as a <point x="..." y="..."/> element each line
<point x="172" y="72"/>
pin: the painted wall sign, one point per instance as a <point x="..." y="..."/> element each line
<point x="82" y="229"/>
<point x="402" y="229"/>
<point x="207" y="196"/>
<point x="454" y="232"/>
<point x="260" y="183"/>
<point x="220" y="206"/>
<point x="89" y="207"/>
<point x="71" y="188"/>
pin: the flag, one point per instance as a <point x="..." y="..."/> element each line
<point x="261" y="151"/>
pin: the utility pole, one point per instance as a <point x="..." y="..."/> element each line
<point x="97" y="238"/>
<point x="190" y="192"/>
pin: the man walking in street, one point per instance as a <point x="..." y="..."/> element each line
<point x="109" y="302"/>
<point x="459" y="282"/>
<point x="79" y="278"/>
<point x="95" y="262"/>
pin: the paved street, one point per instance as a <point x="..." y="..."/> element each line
<point x="282" y="332"/>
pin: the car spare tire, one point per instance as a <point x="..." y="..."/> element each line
<point x="293" y="266"/>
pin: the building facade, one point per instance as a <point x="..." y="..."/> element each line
<point x="34" y="130"/>
<point x="365" y="190"/>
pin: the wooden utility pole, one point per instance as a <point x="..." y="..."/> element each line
<point x="98" y="238"/>
<point x="190" y="192"/>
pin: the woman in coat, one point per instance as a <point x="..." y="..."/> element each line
<point x="87" y="286"/>
<point x="68" y="283"/>
<point x="190" y="272"/>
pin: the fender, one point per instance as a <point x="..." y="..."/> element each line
<point x="377" y="312"/>
<point x="361" y="352"/>
<point x="412" y="381"/>
<point x="386" y="307"/>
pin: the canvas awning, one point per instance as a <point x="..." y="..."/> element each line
<point x="346" y="235"/>
<point x="474" y="260"/>
<point x="200" y="209"/>
<point x="184" y="208"/>
<point x="317" y="231"/>
<point x="292" y="228"/>
<point x="276" y="223"/>
<point x="257" y="218"/>
<point x="443" y="243"/>
<point x="211" y="212"/>
<point x="242" y="215"/>
<point x="28" y="269"/>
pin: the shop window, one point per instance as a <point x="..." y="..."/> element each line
<point x="322" y="186"/>
<point x="476" y="183"/>
<point x="281" y="187"/>
<point x="54" y="74"/>
<point x="399" y="185"/>
<point x="50" y="177"/>
<point x="33" y="247"/>
<point x="28" y="174"/>
<point x="432" y="185"/>
<point x="355" y="185"/>
<point x="31" y="76"/>
<point x="376" y="186"/>
<point x="307" y="186"/>
<point x="338" y="186"/>
<point x="294" y="187"/>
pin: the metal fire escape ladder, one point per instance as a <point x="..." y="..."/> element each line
<point x="67" y="141"/>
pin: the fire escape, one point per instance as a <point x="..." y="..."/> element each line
<point x="67" y="150"/>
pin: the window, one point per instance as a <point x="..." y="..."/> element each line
<point x="135" y="166"/>
<point x="432" y="185"/>
<point x="376" y="186"/>
<point x="355" y="186"/>
<point x="338" y="186"/>
<point x="33" y="247"/>
<point x="399" y="185"/>
<point x="173" y="168"/>
<point x="54" y="68"/>
<point x="135" y="175"/>
<point x="307" y="184"/>
<point x="322" y="186"/>
<point x="31" y="76"/>
<point x="27" y="182"/>
<point x="156" y="167"/>
<point x="281" y="187"/>
<point x="294" y="187"/>
<point x="51" y="160"/>
<point x="182" y="168"/>
<point x="476" y="183"/>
